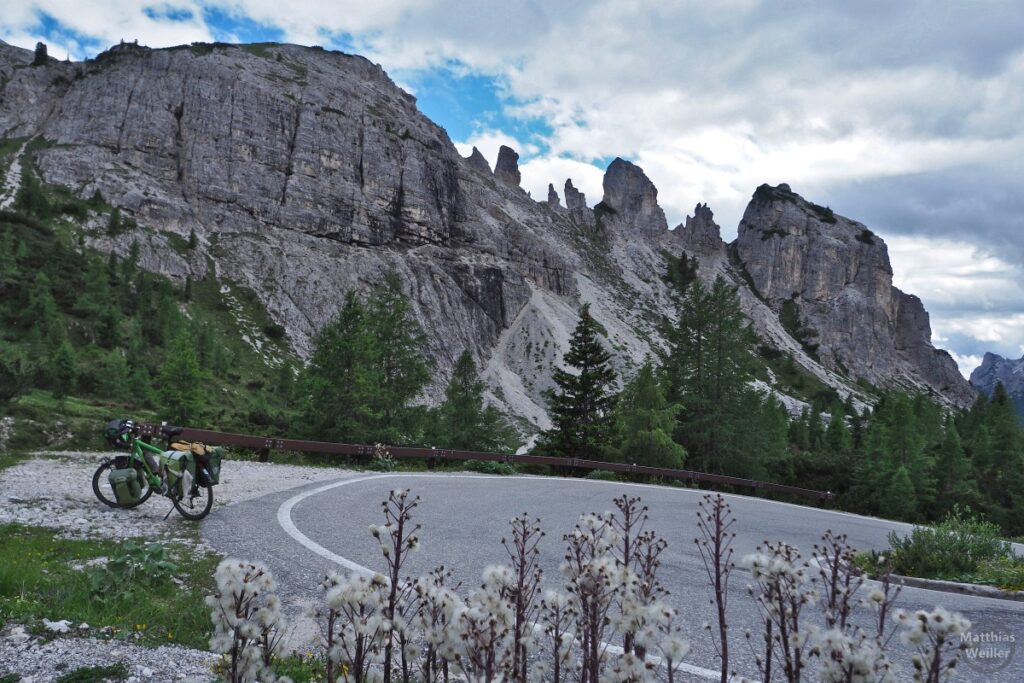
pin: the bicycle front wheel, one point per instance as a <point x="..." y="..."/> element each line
<point x="195" y="504"/>
<point x="105" y="492"/>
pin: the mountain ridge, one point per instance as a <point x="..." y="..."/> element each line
<point x="304" y="172"/>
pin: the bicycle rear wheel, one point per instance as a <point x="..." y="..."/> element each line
<point x="195" y="504"/>
<point x="105" y="492"/>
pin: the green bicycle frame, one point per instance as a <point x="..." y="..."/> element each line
<point x="139" y="447"/>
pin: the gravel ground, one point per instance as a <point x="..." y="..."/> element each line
<point x="42" y="662"/>
<point x="54" y="490"/>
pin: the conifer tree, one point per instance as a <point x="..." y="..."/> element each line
<point x="64" y="370"/>
<point x="463" y="420"/>
<point x="837" y="434"/>
<point x="366" y="369"/>
<point x="645" y="423"/>
<point x="900" y="501"/>
<point x="402" y="371"/>
<point x="180" y="382"/>
<point x="954" y="482"/>
<point x="338" y="384"/>
<point x="706" y="369"/>
<point x="581" y="406"/>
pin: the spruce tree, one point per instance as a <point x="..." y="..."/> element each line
<point x="181" y="389"/>
<point x="338" y="385"/>
<point x="63" y="370"/>
<point x="402" y="371"/>
<point x="581" y="407"/>
<point x="645" y="422"/>
<point x="707" y="369"/>
<point x="900" y="501"/>
<point x="463" y="420"/>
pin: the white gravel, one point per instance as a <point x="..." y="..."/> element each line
<point x="38" y="661"/>
<point x="54" y="490"/>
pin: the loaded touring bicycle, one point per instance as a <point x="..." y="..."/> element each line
<point x="185" y="472"/>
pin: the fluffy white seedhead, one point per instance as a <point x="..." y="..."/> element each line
<point x="246" y="618"/>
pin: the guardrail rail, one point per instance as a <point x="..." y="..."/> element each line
<point x="265" y="444"/>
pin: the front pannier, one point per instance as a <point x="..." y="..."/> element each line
<point x="127" y="485"/>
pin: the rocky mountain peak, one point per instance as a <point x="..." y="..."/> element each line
<point x="478" y="161"/>
<point x="574" y="199"/>
<point x="507" y="167"/>
<point x="700" y="234"/>
<point x="553" y="197"/>
<point x="995" y="369"/>
<point x="632" y="197"/>
<point x="833" y="278"/>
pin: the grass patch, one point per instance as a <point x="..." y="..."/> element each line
<point x="10" y="459"/>
<point x="37" y="582"/>
<point x="489" y="467"/>
<point x="96" y="674"/>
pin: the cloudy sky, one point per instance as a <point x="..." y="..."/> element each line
<point x="906" y="116"/>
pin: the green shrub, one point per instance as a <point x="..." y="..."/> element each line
<point x="955" y="547"/>
<point x="1004" y="572"/>
<point x="489" y="467"/>
<point x="604" y="475"/>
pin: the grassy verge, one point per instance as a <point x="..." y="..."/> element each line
<point x="961" y="548"/>
<point x="37" y="582"/>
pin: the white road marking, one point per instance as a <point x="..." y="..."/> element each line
<point x="284" y="519"/>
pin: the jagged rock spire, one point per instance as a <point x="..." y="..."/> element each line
<point x="634" y="199"/>
<point x="479" y="162"/>
<point x="552" y="197"/>
<point x="574" y="199"/>
<point x="700" y="234"/>
<point x="507" y="167"/>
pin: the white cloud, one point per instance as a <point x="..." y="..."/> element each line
<point x="966" y="363"/>
<point x="540" y="171"/>
<point x="489" y="142"/>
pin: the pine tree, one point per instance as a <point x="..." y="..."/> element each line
<point x="900" y="501"/>
<point x="113" y="379"/>
<point x="581" y="406"/>
<point x="837" y="434"/>
<point x="193" y="241"/>
<point x="63" y="370"/>
<point x="706" y="369"/>
<point x="463" y="420"/>
<point x="180" y="382"/>
<point x="338" y="386"/>
<point x="402" y="369"/>
<point x="954" y="484"/>
<point x="645" y="422"/>
<point x="16" y="372"/>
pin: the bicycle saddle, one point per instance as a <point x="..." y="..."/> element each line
<point x="168" y="430"/>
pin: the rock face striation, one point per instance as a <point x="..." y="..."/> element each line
<point x="305" y="173"/>
<point x="834" y="275"/>
<point x="995" y="369"/>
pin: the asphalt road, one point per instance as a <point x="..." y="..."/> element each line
<point x="304" y="533"/>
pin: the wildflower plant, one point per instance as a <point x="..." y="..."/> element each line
<point x="937" y="637"/>
<point x="524" y="554"/>
<point x="715" y="522"/>
<point x="247" y="620"/>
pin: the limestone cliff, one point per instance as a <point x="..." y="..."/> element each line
<point x="833" y="276"/>
<point x="305" y="172"/>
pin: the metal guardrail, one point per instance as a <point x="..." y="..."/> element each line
<point x="264" y="444"/>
